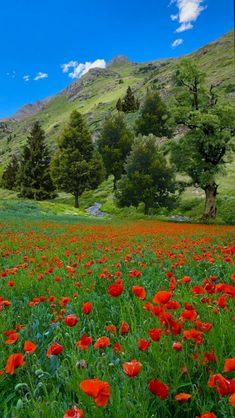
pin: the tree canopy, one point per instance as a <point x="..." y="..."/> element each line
<point x="115" y="144"/>
<point x="34" y="174"/>
<point x="202" y="152"/>
<point x="147" y="177"/>
<point x="77" y="166"/>
<point x="155" y="117"/>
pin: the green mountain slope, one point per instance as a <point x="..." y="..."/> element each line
<point x="96" y="93"/>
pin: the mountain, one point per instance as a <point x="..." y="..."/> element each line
<point x="96" y="93"/>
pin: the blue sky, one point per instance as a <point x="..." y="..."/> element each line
<point x="46" y="45"/>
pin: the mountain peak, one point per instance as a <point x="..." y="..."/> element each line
<point x="119" y="59"/>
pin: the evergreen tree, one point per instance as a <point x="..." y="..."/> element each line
<point x="114" y="145"/>
<point x="154" y="117"/>
<point x="129" y="104"/>
<point x="119" y="105"/>
<point x="34" y="175"/>
<point x="76" y="166"/>
<point x="147" y="177"/>
<point x="9" y="177"/>
<point x="202" y="152"/>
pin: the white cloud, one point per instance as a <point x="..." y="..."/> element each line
<point x="183" y="27"/>
<point x="177" y="42"/>
<point x="70" y="64"/>
<point x="189" y="11"/>
<point x="40" y="76"/>
<point x="77" y="70"/>
<point x="26" y="77"/>
<point x="11" y="74"/>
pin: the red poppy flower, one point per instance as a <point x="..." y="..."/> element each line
<point x="155" y="334"/>
<point x="173" y="283"/>
<point x="117" y="347"/>
<point x="208" y="415"/>
<point x="71" y="320"/>
<point x="132" y="368"/>
<point x="209" y="356"/>
<point x="97" y="389"/>
<point x="54" y="349"/>
<point x="111" y="328"/>
<point x="115" y="289"/>
<point x="13" y="362"/>
<point x="139" y="291"/>
<point x="224" y="386"/>
<point x="102" y="342"/>
<point x="189" y="315"/>
<point x="193" y="334"/>
<point x="12" y="338"/>
<point x="84" y="342"/>
<point x="197" y="290"/>
<point x="29" y="347"/>
<point x="203" y="326"/>
<point x="177" y="346"/>
<point x="124" y="328"/>
<point x="162" y="297"/>
<point x="74" y="413"/>
<point x="143" y="345"/>
<point x="185" y="279"/>
<point x="87" y="307"/>
<point x="183" y="397"/>
<point x="158" y="388"/>
<point x="231" y="400"/>
<point x="229" y="364"/>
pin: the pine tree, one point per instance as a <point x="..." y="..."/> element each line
<point x="154" y="117"/>
<point x="119" y="105"/>
<point x="130" y="103"/>
<point x="9" y="177"/>
<point x="34" y="174"/>
<point x="77" y="166"/>
<point x="114" y="145"/>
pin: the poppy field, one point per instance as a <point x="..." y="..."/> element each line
<point x="132" y="319"/>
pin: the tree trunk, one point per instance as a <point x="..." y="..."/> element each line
<point x="210" y="203"/>
<point x="76" y="202"/>
<point x="115" y="181"/>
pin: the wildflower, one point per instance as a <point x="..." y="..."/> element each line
<point x="158" y="388"/>
<point x="182" y="397"/>
<point x="102" y="342"/>
<point x="29" y="347"/>
<point x="71" y="320"/>
<point x="132" y="368"/>
<point x="97" y="389"/>
<point x="13" y="362"/>
<point x="87" y="307"/>
<point x="54" y="350"/>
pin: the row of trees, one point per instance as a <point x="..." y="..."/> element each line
<point x="141" y="171"/>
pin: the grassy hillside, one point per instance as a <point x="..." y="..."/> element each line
<point x="96" y="94"/>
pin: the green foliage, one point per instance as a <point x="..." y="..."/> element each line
<point x="76" y="165"/>
<point x="148" y="179"/>
<point x="202" y="152"/>
<point x="34" y="174"/>
<point x="114" y="145"/>
<point x="9" y="177"/>
<point x="154" y="117"/>
<point x="129" y="104"/>
<point x="190" y="79"/>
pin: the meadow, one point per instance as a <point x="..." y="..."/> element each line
<point x="123" y="319"/>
